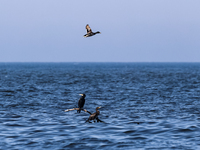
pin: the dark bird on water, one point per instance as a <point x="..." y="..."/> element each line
<point x="89" y="31"/>
<point x="94" y="116"/>
<point x="81" y="102"/>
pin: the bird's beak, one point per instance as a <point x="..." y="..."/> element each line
<point x="81" y="94"/>
<point x="99" y="106"/>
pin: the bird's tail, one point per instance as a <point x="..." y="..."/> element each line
<point x="87" y="121"/>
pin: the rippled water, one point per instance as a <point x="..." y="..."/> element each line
<point x="144" y="105"/>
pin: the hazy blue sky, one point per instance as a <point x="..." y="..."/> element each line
<point x="132" y="31"/>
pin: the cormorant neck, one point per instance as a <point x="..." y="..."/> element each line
<point x="97" y="111"/>
<point x="97" y="32"/>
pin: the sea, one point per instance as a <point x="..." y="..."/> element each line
<point x="143" y="106"/>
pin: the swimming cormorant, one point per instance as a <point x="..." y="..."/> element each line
<point x="94" y="116"/>
<point x="81" y="102"/>
<point x="89" y="31"/>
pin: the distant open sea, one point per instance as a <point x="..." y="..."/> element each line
<point x="144" y="106"/>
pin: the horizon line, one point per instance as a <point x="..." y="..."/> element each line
<point x="98" y="62"/>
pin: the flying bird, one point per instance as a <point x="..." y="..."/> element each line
<point x="89" y="31"/>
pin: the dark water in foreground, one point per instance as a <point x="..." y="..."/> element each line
<point x="164" y="98"/>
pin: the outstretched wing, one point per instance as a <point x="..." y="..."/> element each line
<point x="89" y="30"/>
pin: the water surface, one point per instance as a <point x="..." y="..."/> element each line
<point x="144" y="105"/>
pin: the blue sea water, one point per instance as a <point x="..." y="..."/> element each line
<point x="144" y="105"/>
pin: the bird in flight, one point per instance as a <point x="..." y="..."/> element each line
<point x="89" y="31"/>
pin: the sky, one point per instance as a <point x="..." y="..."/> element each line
<point x="131" y="31"/>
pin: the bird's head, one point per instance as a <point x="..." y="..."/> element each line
<point x="98" y="107"/>
<point x="83" y="95"/>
